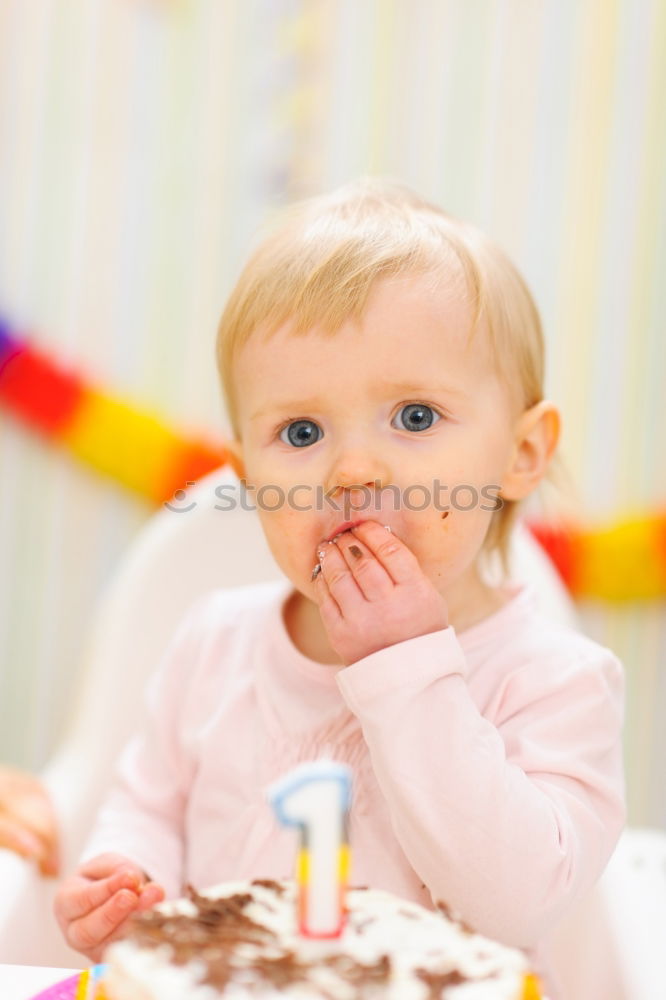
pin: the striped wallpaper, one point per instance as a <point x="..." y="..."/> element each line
<point x="143" y="141"/>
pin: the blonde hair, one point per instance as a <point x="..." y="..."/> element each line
<point x="318" y="266"/>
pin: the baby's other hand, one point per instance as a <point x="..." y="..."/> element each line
<point x="93" y="906"/>
<point x="372" y="593"/>
<point x="27" y="819"/>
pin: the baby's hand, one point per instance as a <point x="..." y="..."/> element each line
<point x="372" y="593"/>
<point x="27" y="819"/>
<point x="93" y="905"/>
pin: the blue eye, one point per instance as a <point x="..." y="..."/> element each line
<point x="301" y="433"/>
<point x="417" y="417"/>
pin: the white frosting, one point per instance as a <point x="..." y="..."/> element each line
<point x="378" y="924"/>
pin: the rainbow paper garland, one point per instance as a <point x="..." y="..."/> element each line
<point x="117" y="439"/>
<point x="624" y="561"/>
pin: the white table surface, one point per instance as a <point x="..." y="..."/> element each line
<point x="20" y="982"/>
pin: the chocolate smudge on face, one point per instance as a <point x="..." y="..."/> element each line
<point x="445" y="514"/>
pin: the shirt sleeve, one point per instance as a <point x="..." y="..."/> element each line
<point x="506" y="816"/>
<point x="143" y="816"/>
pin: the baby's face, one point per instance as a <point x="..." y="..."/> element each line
<point x="400" y="400"/>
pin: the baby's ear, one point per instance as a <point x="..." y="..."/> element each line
<point x="536" y="434"/>
<point x="236" y="460"/>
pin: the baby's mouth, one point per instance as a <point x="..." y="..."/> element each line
<point x="341" y="528"/>
<point x="344" y="527"/>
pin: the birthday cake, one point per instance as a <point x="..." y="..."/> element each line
<point x="240" y="940"/>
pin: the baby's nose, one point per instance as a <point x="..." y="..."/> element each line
<point x="358" y="460"/>
<point x="341" y="483"/>
<point x="359" y="487"/>
<point x="357" y="496"/>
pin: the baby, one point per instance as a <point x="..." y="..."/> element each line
<point x="383" y="369"/>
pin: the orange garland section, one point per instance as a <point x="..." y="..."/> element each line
<point x="120" y="441"/>
<point x="623" y="561"/>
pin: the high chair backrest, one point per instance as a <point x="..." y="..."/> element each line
<point x="207" y="540"/>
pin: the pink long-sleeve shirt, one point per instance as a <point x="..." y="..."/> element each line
<point x="487" y="765"/>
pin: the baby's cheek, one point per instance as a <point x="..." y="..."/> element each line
<point x="289" y="541"/>
<point x="437" y="543"/>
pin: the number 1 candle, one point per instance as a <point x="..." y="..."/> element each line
<point x="315" y="797"/>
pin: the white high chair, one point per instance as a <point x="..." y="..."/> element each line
<point x="195" y="547"/>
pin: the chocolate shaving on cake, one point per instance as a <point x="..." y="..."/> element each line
<point x="281" y="971"/>
<point x="454" y="917"/>
<point x="218" y="971"/>
<point x="224" y="910"/>
<point x="269" y="883"/>
<point x="360" y="925"/>
<point x="286" y="970"/>
<point x="357" y="973"/>
<point x="228" y="946"/>
<point x="438" y="981"/>
<point x="217" y="922"/>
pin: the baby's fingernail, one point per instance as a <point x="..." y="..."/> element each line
<point x="321" y="552"/>
<point x="316" y="571"/>
<point x="128" y="878"/>
<point x="126" y="900"/>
